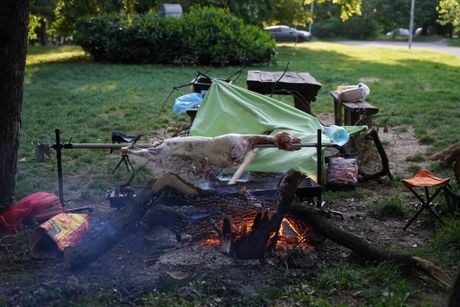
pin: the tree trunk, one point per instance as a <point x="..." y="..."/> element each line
<point x="454" y="298"/>
<point x="14" y="18"/>
<point x="43" y="35"/>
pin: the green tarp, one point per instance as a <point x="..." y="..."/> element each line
<point x="228" y="108"/>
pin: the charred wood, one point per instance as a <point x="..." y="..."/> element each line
<point x="102" y="237"/>
<point x="260" y="240"/>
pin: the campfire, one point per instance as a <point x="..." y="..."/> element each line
<point x="244" y="228"/>
<point x="241" y="225"/>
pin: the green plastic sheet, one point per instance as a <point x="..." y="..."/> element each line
<point x="227" y="108"/>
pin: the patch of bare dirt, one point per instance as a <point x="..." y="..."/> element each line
<point x="136" y="266"/>
<point x="400" y="146"/>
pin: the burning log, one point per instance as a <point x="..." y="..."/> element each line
<point x="261" y="238"/>
<point x="364" y="249"/>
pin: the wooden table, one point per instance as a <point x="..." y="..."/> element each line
<point x="301" y="85"/>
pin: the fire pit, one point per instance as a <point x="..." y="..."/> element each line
<point x="243" y="222"/>
<point x="247" y="223"/>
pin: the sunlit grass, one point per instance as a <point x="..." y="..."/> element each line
<point x="37" y="55"/>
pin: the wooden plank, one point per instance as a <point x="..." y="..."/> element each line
<point x="263" y="82"/>
<point x="361" y="107"/>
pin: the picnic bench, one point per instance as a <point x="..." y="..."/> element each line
<point x="302" y="86"/>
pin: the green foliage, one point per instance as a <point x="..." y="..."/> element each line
<point x="206" y="36"/>
<point x="212" y="36"/>
<point x="375" y="17"/>
<point x="34" y="23"/>
<point x="328" y="24"/>
<point x="449" y="13"/>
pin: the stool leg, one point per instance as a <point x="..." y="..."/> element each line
<point x="415" y="216"/>
<point x="354" y="118"/>
<point x="433" y="213"/>
<point x="118" y="165"/>
<point x="130" y="164"/>
<point x="448" y="200"/>
<point x="126" y="163"/>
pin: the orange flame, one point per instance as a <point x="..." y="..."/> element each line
<point x="291" y="233"/>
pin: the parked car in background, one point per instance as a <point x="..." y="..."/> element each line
<point x="399" y="32"/>
<point x="288" y="34"/>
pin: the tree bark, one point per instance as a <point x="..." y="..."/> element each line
<point x="14" y="18"/>
<point x="454" y="298"/>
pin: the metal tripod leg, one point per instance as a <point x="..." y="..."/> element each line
<point x="124" y="159"/>
<point x="426" y="204"/>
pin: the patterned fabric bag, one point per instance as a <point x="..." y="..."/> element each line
<point x="342" y="173"/>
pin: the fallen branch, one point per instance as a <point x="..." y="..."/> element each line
<point x="321" y="225"/>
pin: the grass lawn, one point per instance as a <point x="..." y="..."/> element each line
<point x="64" y="89"/>
<point x="87" y="100"/>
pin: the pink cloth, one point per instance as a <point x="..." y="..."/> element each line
<point x="40" y="206"/>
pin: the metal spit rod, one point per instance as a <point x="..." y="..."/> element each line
<point x="118" y="146"/>
<point x="299" y="145"/>
<point x="58" y="147"/>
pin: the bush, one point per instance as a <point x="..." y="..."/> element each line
<point x="205" y="36"/>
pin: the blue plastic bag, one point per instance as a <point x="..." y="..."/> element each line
<point x="337" y="135"/>
<point x="186" y="102"/>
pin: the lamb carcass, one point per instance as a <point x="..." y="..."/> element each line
<point x="199" y="156"/>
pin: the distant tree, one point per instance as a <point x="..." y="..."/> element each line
<point x="348" y="7"/>
<point x="252" y="11"/>
<point x="14" y="16"/>
<point x="392" y="14"/>
<point x="291" y="12"/>
<point x="449" y="13"/>
<point x="41" y="15"/>
<point x="426" y="15"/>
<point x="329" y="24"/>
